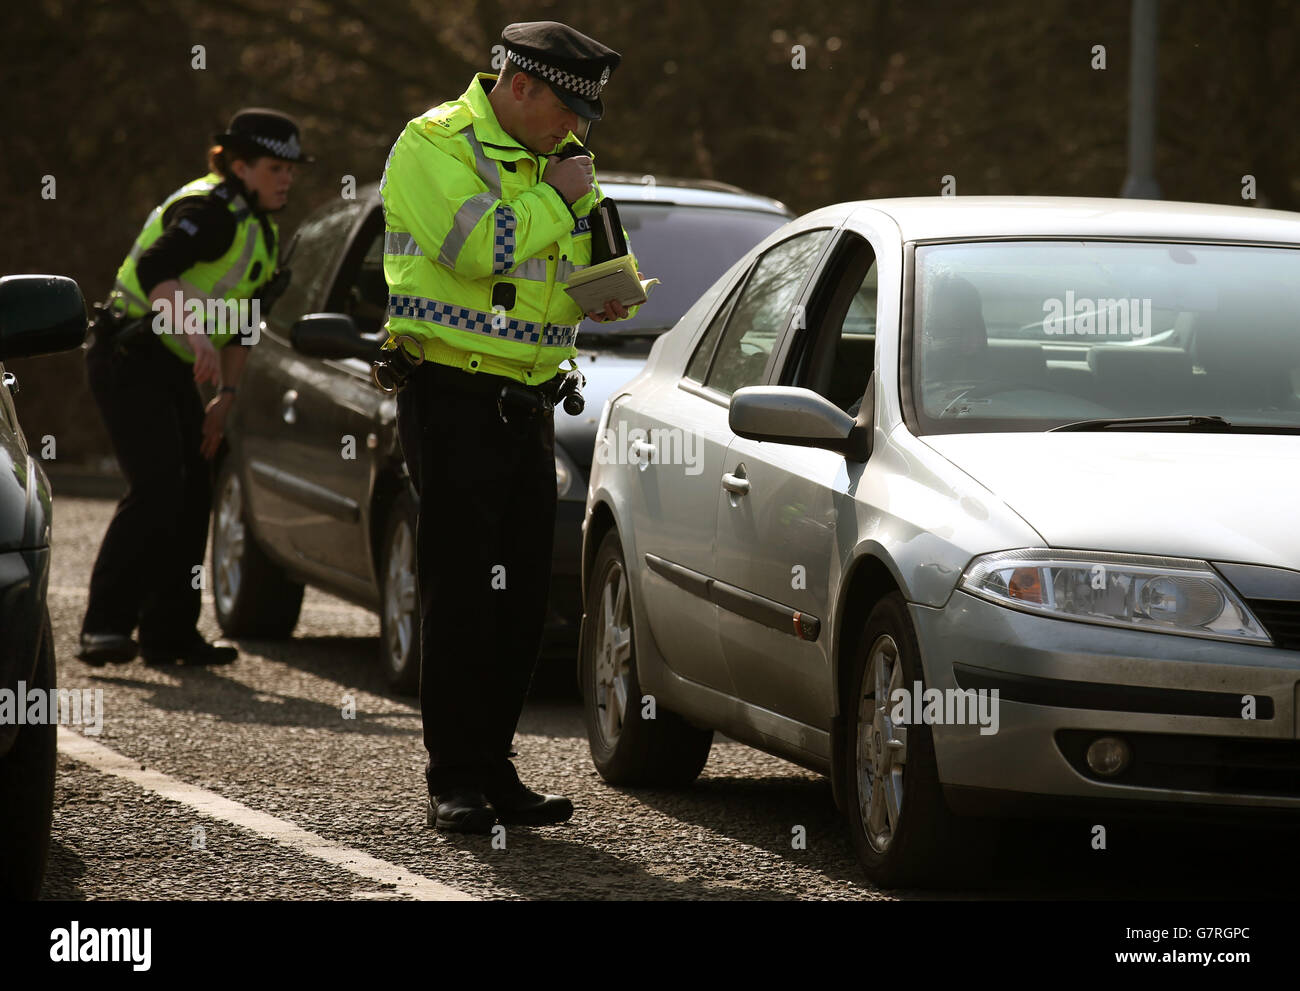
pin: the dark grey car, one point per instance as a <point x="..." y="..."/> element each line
<point x="311" y="485"/>
<point x="39" y="314"/>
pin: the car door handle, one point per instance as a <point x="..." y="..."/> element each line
<point x="288" y="409"/>
<point x="640" y="447"/>
<point x="735" y="483"/>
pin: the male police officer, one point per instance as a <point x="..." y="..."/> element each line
<point x="483" y="229"/>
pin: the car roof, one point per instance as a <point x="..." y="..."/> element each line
<point x="629" y="187"/>
<point x="633" y="187"/>
<point x="927" y="218"/>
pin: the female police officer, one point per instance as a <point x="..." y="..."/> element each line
<point x="211" y="240"/>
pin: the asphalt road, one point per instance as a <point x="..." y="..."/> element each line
<point x="247" y="782"/>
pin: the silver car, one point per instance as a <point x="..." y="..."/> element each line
<point x="980" y="506"/>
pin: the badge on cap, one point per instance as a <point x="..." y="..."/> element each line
<point x="604" y="76"/>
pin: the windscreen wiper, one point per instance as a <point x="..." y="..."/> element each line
<point x="1190" y="421"/>
<point x="1193" y="420"/>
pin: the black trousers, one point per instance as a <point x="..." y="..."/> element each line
<point x="144" y="571"/>
<point x="484" y="535"/>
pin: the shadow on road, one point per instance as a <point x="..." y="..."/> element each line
<point x="64" y="871"/>
<point x="541" y="864"/>
<point x="204" y="690"/>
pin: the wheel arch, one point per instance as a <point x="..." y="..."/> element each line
<point x="389" y="483"/>
<point x="600" y="521"/>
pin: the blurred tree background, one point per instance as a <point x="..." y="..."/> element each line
<point x="104" y="95"/>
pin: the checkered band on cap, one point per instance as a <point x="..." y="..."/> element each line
<point x="586" y="88"/>
<point x="283" y="149"/>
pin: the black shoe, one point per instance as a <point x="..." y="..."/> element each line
<point x="98" y="649"/>
<point x="519" y="806"/>
<point x="199" y="652"/>
<point x="465" y="810"/>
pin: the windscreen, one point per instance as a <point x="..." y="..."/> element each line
<point x="1029" y="335"/>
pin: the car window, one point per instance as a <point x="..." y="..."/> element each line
<point x="361" y="290"/>
<point x="687" y="248"/>
<point x="699" y="365"/>
<point x="763" y="311"/>
<point x="833" y="355"/>
<point x="311" y="258"/>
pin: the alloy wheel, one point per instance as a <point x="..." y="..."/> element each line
<point x="399" y="596"/>
<point x="613" y="662"/>
<point x="228" y="552"/>
<point x="881" y="746"/>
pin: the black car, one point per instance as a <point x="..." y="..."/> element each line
<point x="39" y="314"/>
<point x="311" y="486"/>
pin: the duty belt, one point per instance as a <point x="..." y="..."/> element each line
<point x="400" y="365"/>
<point x="113" y="325"/>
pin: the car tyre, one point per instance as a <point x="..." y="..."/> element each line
<point x="901" y="827"/>
<point x="253" y="596"/>
<point x="399" y="616"/>
<point x="27" y="791"/>
<point x="626" y="748"/>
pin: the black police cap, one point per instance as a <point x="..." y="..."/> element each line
<point x="268" y="132"/>
<point x="575" y="66"/>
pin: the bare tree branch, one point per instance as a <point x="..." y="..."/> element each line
<point x="298" y="30"/>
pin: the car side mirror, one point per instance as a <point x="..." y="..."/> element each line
<point x="332" y="336"/>
<point x="40" y="314"/>
<point x="791" y="415"/>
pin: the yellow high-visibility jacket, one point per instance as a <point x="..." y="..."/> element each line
<point x="238" y="274"/>
<point x="477" y="248"/>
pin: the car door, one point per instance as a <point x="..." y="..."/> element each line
<point x="336" y="416"/>
<point x="682" y="444"/>
<point x="274" y="453"/>
<point x="777" y="555"/>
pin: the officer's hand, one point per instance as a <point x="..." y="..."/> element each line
<point x="214" y="424"/>
<point x="571" y="176"/>
<point x="206" y="367"/>
<point x="614" y="310"/>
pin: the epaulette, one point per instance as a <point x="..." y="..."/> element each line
<point x="447" y="119"/>
<point x="226" y="194"/>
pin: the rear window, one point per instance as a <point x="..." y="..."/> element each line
<point x="687" y="248"/>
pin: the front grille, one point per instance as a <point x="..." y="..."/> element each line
<point x="1109" y="697"/>
<point x="1225" y="765"/>
<point x="1281" y="619"/>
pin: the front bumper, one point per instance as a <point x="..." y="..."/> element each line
<point x="1178" y="702"/>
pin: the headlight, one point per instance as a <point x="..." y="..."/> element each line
<point x="1160" y="594"/>
<point x="568" y="478"/>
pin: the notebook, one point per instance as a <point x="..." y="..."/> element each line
<point x="612" y="274"/>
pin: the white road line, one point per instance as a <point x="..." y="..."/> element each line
<point x="207" y="803"/>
